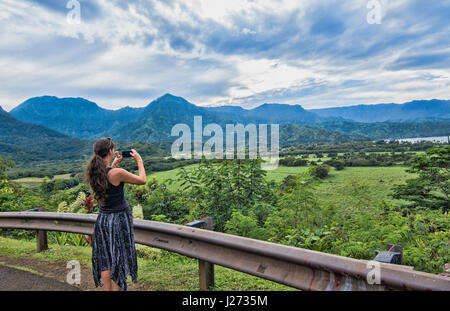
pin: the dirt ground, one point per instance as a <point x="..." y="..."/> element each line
<point x="57" y="271"/>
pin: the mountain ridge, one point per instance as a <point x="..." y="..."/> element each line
<point x="28" y="143"/>
<point x="31" y="142"/>
<point x="409" y="111"/>
<point x="153" y="123"/>
<point x="73" y="116"/>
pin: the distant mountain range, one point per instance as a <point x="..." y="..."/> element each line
<point x="271" y="113"/>
<point x="75" y="117"/>
<point x="28" y="143"/>
<point x="81" y="118"/>
<point x="157" y="119"/>
<point x="417" y="110"/>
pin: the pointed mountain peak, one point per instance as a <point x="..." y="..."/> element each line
<point x="169" y="97"/>
<point x="168" y="100"/>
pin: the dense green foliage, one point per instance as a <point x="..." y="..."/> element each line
<point x="296" y="134"/>
<point x="293" y="161"/>
<point x="431" y="187"/>
<point x="219" y="188"/>
<point x="319" y="171"/>
<point x="379" y="146"/>
<point x="5" y="164"/>
<point x="13" y="197"/>
<point x="313" y="209"/>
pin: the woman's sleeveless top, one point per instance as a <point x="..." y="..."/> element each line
<point x="115" y="198"/>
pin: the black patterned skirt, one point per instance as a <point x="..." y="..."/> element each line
<point x="113" y="248"/>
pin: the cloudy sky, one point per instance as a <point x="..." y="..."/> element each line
<point x="235" y="52"/>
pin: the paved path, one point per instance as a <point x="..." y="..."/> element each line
<point x="20" y="280"/>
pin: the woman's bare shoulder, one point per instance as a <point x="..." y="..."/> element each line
<point x="116" y="170"/>
<point x="119" y="175"/>
<point x="115" y="175"/>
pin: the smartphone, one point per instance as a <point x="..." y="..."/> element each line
<point x="126" y="154"/>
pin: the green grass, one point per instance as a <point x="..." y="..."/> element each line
<point x="38" y="179"/>
<point x="378" y="180"/>
<point x="277" y="175"/>
<point x="163" y="177"/>
<point x="34" y="182"/>
<point x="165" y="271"/>
<point x="371" y="184"/>
<point x="282" y="172"/>
<point x="351" y="189"/>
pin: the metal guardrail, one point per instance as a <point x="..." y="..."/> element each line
<point x="205" y="268"/>
<point x="296" y="267"/>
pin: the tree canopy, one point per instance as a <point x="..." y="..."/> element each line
<point x="431" y="187"/>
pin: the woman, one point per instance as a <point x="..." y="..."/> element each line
<point x="113" y="249"/>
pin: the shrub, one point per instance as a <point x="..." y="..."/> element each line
<point x="320" y="171"/>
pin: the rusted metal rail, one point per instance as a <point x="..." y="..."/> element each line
<point x="296" y="267"/>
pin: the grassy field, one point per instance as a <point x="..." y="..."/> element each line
<point x="34" y="182"/>
<point x="277" y="175"/>
<point x="37" y="179"/>
<point x="370" y="185"/>
<point x="163" y="177"/>
<point x="159" y="269"/>
<point x="376" y="181"/>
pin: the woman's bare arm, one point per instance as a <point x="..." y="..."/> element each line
<point x="119" y="175"/>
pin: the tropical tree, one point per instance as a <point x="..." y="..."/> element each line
<point x="431" y="187"/>
<point x="5" y="164"/>
<point x="217" y="188"/>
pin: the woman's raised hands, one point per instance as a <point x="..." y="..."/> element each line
<point x="136" y="156"/>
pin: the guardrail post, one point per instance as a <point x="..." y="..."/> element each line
<point x="41" y="236"/>
<point x="205" y="268"/>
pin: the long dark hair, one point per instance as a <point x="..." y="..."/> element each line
<point x="95" y="170"/>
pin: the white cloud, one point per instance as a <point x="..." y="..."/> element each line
<point x="215" y="52"/>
